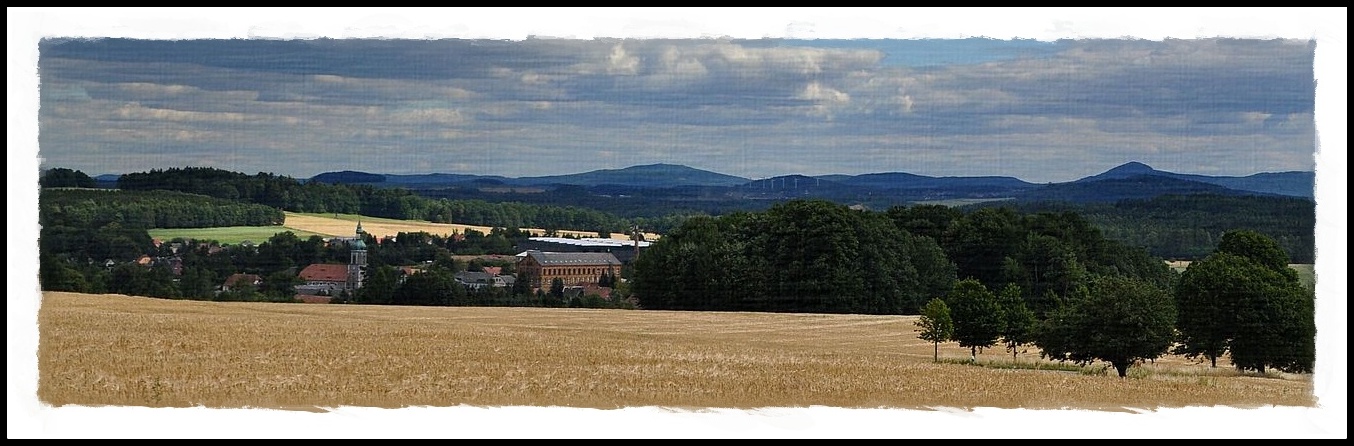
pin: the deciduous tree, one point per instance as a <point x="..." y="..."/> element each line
<point x="977" y="317"/>
<point x="935" y="324"/>
<point x="1119" y="320"/>
<point x="1018" y="322"/>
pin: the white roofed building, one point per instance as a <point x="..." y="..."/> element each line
<point x="624" y="250"/>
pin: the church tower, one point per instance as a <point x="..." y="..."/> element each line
<point x="357" y="259"/>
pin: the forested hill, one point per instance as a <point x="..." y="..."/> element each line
<point x="289" y="194"/>
<point x="1187" y="227"/>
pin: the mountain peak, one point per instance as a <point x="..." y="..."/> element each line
<point x="1125" y="170"/>
<point x="1132" y="167"/>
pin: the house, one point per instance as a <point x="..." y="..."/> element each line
<point x="573" y="268"/>
<point x="479" y="279"/>
<point x="240" y="280"/>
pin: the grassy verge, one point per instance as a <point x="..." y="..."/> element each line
<point x="1142" y="370"/>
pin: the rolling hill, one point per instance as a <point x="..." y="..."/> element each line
<point x="677" y="183"/>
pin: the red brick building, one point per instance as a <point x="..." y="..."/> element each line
<point x="574" y="268"/>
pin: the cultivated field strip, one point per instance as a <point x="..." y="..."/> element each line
<point x="385" y="227"/>
<point x="130" y="351"/>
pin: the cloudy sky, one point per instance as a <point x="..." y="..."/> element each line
<point x="1042" y="94"/>
<point x="1041" y="110"/>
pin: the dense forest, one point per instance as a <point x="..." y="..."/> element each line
<point x="1188" y="227"/>
<point x="818" y="256"/>
<point x="93" y="208"/>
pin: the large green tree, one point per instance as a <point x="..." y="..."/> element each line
<point x="1207" y="298"/>
<point x="1118" y="319"/>
<point x="977" y="315"/>
<point x="1245" y="300"/>
<point x="935" y="324"/>
<point x="1275" y="329"/>
<point x="1258" y="247"/>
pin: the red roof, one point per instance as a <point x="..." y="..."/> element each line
<point x="325" y="272"/>
<point x="242" y="280"/>
<point x="493" y="270"/>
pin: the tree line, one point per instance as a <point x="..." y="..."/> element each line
<point x="819" y="256"/>
<point x="289" y="194"/>
<point x="1242" y="300"/>
<point x="95" y="208"/>
<point x="1188" y="227"/>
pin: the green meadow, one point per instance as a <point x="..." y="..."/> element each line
<point x="228" y="235"/>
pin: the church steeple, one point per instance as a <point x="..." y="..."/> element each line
<point x="357" y="259"/>
<point x="358" y="242"/>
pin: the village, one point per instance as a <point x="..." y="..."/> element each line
<point x="584" y="266"/>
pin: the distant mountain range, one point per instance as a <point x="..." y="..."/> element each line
<point x="1130" y="180"/>
<point x="678" y="183"/>
<point x="647" y="176"/>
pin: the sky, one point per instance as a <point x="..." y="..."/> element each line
<point x="1039" y="110"/>
<point x="1040" y="94"/>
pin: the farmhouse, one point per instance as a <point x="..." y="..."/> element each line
<point x="574" y="268"/>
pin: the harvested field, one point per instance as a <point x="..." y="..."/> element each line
<point x="486" y="372"/>
<point x="120" y="350"/>
<point x="342" y="225"/>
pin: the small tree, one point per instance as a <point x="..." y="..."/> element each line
<point x="936" y="325"/>
<point x="556" y="295"/>
<point x="977" y="317"/>
<point x="1018" y="321"/>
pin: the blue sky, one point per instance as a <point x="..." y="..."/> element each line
<point x="1040" y="110"/>
<point x="1042" y="94"/>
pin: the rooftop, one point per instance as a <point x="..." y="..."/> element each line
<point x="326" y="272"/>
<point x="590" y="242"/>
<point x="573" y="258"/>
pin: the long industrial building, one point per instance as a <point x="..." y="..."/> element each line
<point x="624" y="250"/>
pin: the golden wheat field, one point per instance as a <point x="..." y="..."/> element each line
<point x="344" y="225"/>
<point x="134" y="351"/>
